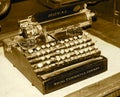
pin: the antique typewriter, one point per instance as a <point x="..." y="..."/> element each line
<point x="55" y="53"/>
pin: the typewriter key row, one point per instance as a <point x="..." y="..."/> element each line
<point x="62" y="51"/>
<point x="52" y="47"/>
<point x="62" y="63"/>
<point x="65" y="60"/>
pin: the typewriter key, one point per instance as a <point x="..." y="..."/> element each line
<point x="38" y="53"/>
<point x="84" y="40"/>
<point x="76" y="52"/>
<point x="90" y="48"/>
<point x="47" y="56"/>
<point x="85" y="45"/>
<point x="48" y="45"/>
<point x="90" y="43"/>
<point x="62" y="41"/>
<point x="42" y="58"/>
<point x="58" y="58"/>
<point x="81" y="46"/>
<point x="39" y="65"/>
<point x="43" y="46"/>
<point x="38" y="48"/>
<point x="86" y="50"/>
<point x="63" y="57"/>
<point x="43" y="52"/>
<point x="48" y="51"/>
<point x="62" y="51"/>
<point x="80" y="41"/>
<point x="76" y="42"/>
<point x="67" y="50"/>
<point x="81" y="51"/>
<point x="71" y="39"/>
<point x="48" y="62"/>
<point x="30" y="51"/>
<point x="79" y="36"/>
<point x="52" y="44"/>
<point x="57" y="51"/>
<point x="71" y="49"/>
<point x="71" y="43"/>
<point x="68" y="55"/>
<point x="67" y="44"/>
<point x="66" y="40"/>
<point x="75" y="37"/>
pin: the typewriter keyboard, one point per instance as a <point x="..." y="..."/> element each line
<point x="58" y="54"/>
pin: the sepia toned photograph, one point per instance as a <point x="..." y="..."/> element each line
<point x="59" y="48"/>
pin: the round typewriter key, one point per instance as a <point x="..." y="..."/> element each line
<point x="53" y="65"/>
<point x="71" y="43"/>
<point x="90" y="43"/>
<point x="76" y="52"/>
<point x="62" y="41"/>
<point x="42" y="58"/>
<point x="71" y="49"/>
<point x="58" y="58"/>
<point x="48" y="51"/>
<point x="72" y="58"/>
<point x="52" y="44"/>
<point x="52" y="59"/>
<point x="85" y="40"/>
<point x="81" y="51"/>
<point x="30" y="51"/>
<point x="86" y="50"/>
<point x="79" y="36"/>
<point x="43" y="52"/>
<point x="47" y="56"/>
<point x="81" y="46"/>
<point x="62" y="51"/>
<point x="76" y="42"/>
<point x="38" y="48"/>
<point x="80" y="41"/>
<point x="90" y="48"/>
<point x="39" y="65"/>
<point x="85" y="45"/>
<point x="75" y="37"/>
<point x="47" y="45"/>
<point x="43" y="46"/>
<point x="57" y="46"/>
<point x="66" y="50"/>
<point x="48" y="62"/>
<point x="67" y="44"/>
<point x="57" y="51"/>
<point x="93" y="52"/>
<point x="95" y="47"/>
<point x="68" y="55"/>
<point x="38" y="53"/>
<point x="70" y="39"/>
<point x="63" y="57"/>
<point x="66" y="40"/>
